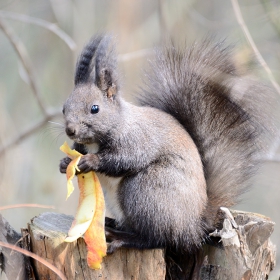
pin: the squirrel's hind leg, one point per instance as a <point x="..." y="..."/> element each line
<point x="118" y="239"/>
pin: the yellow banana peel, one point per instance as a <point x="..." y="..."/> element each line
<point x="90" y="216"/>
<point x="72" y="167"/>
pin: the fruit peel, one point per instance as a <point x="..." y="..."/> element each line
<point x="95" y="235"/>
<point x="90" y="216"/>
<point x="72" y="167"/>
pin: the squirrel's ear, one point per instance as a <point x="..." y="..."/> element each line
<point x="98" y="64"/>
<point x="106" y="82"/>
<point x="106" y="74"/>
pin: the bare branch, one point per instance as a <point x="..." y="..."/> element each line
<point x="162" y="21"/>
<point x="274" y="17"/>
<point x="34" y="256"/>
<point x="251" y="42"/>
<point x="28" y="132"/>
<point x="134" y="55"/>
<point x="26" y="205"/>
<point x="45" y="24"/>
<point x="274" y="160"/>
<point x="205" y="22"/>
<point x="24" y="58"/>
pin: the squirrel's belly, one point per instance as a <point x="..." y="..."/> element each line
<point x="110" y="186"/>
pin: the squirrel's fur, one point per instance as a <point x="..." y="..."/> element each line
<point x="167" y="165"/>
<point x="194" y="86"/>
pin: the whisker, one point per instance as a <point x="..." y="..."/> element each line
<point x="56" y="123"/>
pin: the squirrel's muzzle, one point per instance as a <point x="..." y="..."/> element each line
<point x="70" y="130"/>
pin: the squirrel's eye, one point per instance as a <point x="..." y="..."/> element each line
<point x="63" y="111"/>
<point x="94" y="109"/>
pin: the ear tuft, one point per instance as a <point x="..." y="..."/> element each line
<point x="84" y="66"/>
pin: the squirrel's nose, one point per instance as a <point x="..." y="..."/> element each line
<point x="70" y="130"/>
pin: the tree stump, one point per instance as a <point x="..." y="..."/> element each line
<point x="247" y="252"/>
<point x="48" y="232"/>
<point x="244" y="252"/>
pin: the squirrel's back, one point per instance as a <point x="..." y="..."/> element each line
<point x="199" y="87"/>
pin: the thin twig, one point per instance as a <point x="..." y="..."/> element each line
<point x="24" y="58"/>
<point x="205" y="22"/>
<point x="162" y="21"/>
<point x="251" y="42"/>
<point x="26" y="205"/>
<point x="34" y="256"/>
<point x="274" y="20"/>
<point x="43" y="23"/>
<point x="28" y="132"/>
<point x="134" y="55"/>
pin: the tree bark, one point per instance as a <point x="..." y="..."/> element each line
<point x="13" y="264"/>
<point x="247" y="252"/>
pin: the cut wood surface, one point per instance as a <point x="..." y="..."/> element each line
<point x="48" y="232"/>
<point x="243" y="252"/>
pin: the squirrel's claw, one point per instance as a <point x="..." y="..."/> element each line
<point x="88" y="163"/>
<point x="113" y="246"/>
<point x="64" y="164"/>
<point x="114" y="241"/>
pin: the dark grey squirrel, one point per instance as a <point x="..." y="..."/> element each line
<point x="168" y="164"/>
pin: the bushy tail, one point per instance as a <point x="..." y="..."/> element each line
<point x="201" y="88"/>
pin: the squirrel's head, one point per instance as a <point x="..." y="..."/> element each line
<point x="93" y="108"/>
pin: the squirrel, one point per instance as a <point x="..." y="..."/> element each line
<point x="167" y="164"/>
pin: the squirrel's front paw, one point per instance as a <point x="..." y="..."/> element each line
<point x="88" y="163"/>
<point x="64" y="164"/>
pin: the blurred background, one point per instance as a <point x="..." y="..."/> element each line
<point x="39" y="43"/>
